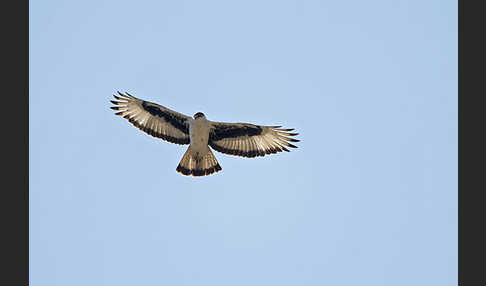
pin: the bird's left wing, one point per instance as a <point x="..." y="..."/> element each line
<point x="249" y="140"/>
<point x="153" y="119"/>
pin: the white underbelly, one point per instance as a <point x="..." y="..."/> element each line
<point x="199" y="135"/>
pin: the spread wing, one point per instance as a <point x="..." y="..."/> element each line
<point x="153" y="119"/>
<point x="249" y="140"/>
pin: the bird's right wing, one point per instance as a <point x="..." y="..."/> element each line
<point x="153" y="119"/>
<point x="249" y="140"/>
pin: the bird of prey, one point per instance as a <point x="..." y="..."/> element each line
<point x="239" y="139"/>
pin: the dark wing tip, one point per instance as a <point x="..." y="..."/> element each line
<point x="290" y="145"/>
<point x="126" y="96"/>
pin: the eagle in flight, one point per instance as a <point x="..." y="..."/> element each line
<point x="239" y="139"/>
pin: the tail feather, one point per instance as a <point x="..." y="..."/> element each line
<point x="192" y="164"/>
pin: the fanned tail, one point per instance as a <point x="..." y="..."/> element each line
<point x="192" y="164"/>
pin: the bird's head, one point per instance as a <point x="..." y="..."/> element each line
<point x="199" y="114"/>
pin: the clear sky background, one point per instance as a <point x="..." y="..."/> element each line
<point x="368" y="198"/>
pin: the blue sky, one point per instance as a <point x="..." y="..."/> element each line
<point x="368" y="198"/>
